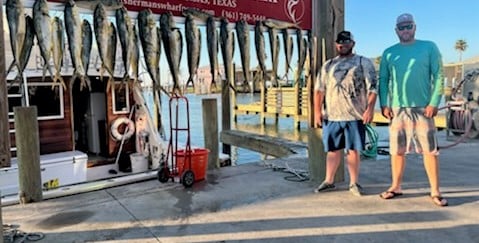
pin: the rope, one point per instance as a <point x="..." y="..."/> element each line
<point x="371" y="146"/>
<point x="11" y="233"/>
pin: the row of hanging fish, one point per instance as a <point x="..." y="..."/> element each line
<point x="49" y="33"/>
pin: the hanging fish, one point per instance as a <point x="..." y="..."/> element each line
<point x="242" y="31"/>
<point x="126" y="34"/>
<point x="193" y="48"/>
<point x="172" y="44"/>
<point x="17" y="25"/>
<point x="273" y="45"/>
<point x="58" y="43"/>
<point x="288" y="51"/>
<point x="87" y="41"/>
<point x="104" y="33"/>
<point x="212" y="44"/>
<point x="44" y="33"/>
<point x="227" y="51"/>
<point x="260" y="47"/>
<point x="73" y="28"/>
<point x="151" y="44"/>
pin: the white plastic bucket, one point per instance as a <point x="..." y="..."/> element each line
<point x="139" y="163"/>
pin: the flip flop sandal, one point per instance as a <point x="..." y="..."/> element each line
<point x="390" y="194"/>
<point x="439" y="201"/>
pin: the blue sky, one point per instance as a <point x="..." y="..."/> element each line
<point x="442" y="21"/>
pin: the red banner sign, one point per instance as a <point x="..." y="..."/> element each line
<point x="294" y="11"/>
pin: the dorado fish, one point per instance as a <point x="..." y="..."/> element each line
<point x="103" y="34"/>
<point x="74" y="35"/>
<point x="151" y="44"/>
<point x="274" y="47"/>
<point x="43" y="31"/>
<point x="302" y="52"/>
<point x="125" y="32"/>
<point x="193" y="48"/>
<point x="26" y="49"/>
<point x="172" y="44"/>
<point x="242" y="32"/>
<point x="227" y="51"/>
<point x="87" y="41"/>
<point x="288" y="50"/>
<point x="135" y="55"/>
<point x="260" y="47"/>
<point x="16" y="23"/>
<point x="212" y="44"/>
<point x="111" y="53"/>
<point x="58" y="42"/>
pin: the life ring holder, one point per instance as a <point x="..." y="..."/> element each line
<point x="115" y="133"/>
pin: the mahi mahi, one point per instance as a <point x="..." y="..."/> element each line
<point x="17" y="25"/>
<point x="302" y="53"/>
<point x="212" y="44"/>
<point x="227" y="51"/>
<point x="73" y="28"/>
<point x="172" y="44"/>
<point x="26" y="48"/>
<point x="43" y="31"/>
<point x="274" y="47"/>
<point x="103" y="35"/>
<point x="288" y="50"/>
<point x="58" y="42"/>
<point x="193" y="47"/>
<point x="149" y="34"/>
<point x="87" y="41"/>
<point x="125" y="33"/>
<point x="242" y="32"/>
<point x="260" y="47"/>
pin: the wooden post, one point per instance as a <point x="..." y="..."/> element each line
<point x="328" y="20"/>
<point x="28" y="154"/>
<point x="4" y="129"/>
<point x="210" y="131"/>
<point x="226" y="111"/>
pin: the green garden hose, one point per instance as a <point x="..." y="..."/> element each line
<point x="371" y="146"/>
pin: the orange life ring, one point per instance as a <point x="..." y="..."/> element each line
<point x="128" y="132"/>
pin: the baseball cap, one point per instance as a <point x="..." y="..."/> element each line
<point x="344" y="36"/>
<point x="404" y="18"/>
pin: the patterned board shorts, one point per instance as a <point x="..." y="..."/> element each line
<point x="410" y="127"/>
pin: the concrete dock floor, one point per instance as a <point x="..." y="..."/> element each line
<point x="254" y="202"/>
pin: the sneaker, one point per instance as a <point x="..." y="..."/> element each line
<point x="324" y="187"/>
<point x="356" y="189"/>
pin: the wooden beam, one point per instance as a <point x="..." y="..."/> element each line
<point x="274" y="146"/>
<point x="4" y="129"/>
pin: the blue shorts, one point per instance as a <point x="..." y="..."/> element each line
<point x="350" y="135"/>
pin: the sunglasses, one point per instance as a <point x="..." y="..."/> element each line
<point x="344" y="41"/>
<point x="405" y="27"/>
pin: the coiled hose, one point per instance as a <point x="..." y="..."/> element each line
<point x="371" y="146"/>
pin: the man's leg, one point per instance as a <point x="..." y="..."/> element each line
<point x="398" y="163"/>
<point x="333" y="159"/>
<point x="431" y="164"/>
<point x="353" y="160"/>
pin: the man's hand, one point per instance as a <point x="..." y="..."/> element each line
<point x="318" y="119"/>
<point x="430" y="111"/>
<point x="368" y="116"/>
<point x="387" y="112"/>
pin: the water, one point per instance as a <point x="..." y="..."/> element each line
<point x="248" y="123"/>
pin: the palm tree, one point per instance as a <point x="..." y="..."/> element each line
<point x="461" y="46"/>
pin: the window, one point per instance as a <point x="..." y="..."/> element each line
<point x="121" y="101"/>
<point x="47" y="97"/>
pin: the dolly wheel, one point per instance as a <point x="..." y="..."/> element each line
<point x="188" y="178"/>
<point x="164" y="174"/>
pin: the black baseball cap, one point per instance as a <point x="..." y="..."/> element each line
<point x="344" y="36"/>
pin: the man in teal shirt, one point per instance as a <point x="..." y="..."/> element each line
<point x="410" y="89"/>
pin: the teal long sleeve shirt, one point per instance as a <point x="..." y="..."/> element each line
<point x="411" y="75"/>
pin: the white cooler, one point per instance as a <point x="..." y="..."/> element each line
<point x="58" y="169"/>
